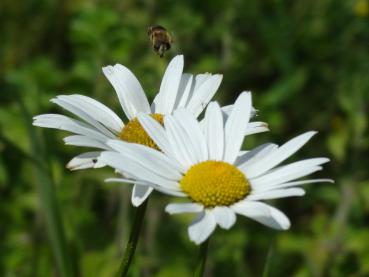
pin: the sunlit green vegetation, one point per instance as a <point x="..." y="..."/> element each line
<point x="307" y="64"/>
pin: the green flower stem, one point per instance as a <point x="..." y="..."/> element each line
<point x="201" y="260"/>
<point x="133" y="239"/>
<point x="268" y="260"/>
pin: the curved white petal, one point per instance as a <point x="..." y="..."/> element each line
<point x="276" y="157"/>
<point x="138" y="171"/>
<point x="74" y="106"/>
<point x="214" y="132"/>
<point x="297" y="183"/>
<point x="180" y="145"/>
<point x="140" y="194"/>
<point x="184" y="91"/>
<point x="289" y="172"/>
<point x="263" y="214"/>
<point x="169" y="86"/>
<point x="202" y="227"/>
<point x="61" y="122"/>
<point x="129" y="90"/>
<point x="287" y="178"/>
<point x="178" y="208"/>
<point x="159" y="136"/>
<point x="278" y="193"/>
<point x="235" y="127"/>
<point x="257" y="153"/>
<point x="203" y="93"/>
<point x="228" y="109"/>
<point x="85" y="160"/>
<point x="193" y="133"/>
<point x="224" y="216"/>
<point x="84" y="141"/>
<point x="150" y="158"/>
<point x="255" y="128"/>
<point x="100" y="112"/>
<point x="144" y="183"/>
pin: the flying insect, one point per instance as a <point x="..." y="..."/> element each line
<point x="160" y="39"/>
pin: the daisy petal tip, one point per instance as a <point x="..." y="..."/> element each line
<point x="107" y="70"/>
<point x="286" y="226"/>
<point x="70" y="167"/>
<point x="179" y="57"/>
<point x="137" y="201"/>
<point x="177" y="61"/>
<point x="312" y="133"/>
<point x="283" y="221"/>
<point x="217" y="78"/>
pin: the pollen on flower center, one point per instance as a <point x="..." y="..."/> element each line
<point x="133" y="132"/>
<point x="215" y="183"/>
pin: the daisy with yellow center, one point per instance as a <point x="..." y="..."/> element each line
<point x="203" y="162"/>
<point x="97" y="123"/>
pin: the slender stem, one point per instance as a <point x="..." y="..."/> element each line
<point x="268" y="260"/>
<point x="201" y="260"/>
<point x="133" y="239"/>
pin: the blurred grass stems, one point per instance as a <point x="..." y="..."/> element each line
<point x="268" y="260"/>
<point x="133" y="239"/>
<point x="49" y="203"/>
<point x="201" y="260"/>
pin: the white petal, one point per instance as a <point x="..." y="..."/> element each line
<point x="193" y="132"/>
<point x="214" y="132"/>
<point x="140" y="194"/>
<point x="149" y="158"/>
<point x="263" y="214"/>
<point x="85" y="160"/>
<point x="202" y="227"/>
<point x="84" y="141"/>
<point x="203" y="94"/>
<point x="90" y="116"/>
<point x="184" y="90"/>
<point x="228" y="109"/>
<point x="255" y="128"/>
<point x="224" y="216"/>
<point x="181" y="147"/>
<point x="146" y="184"/>
<point x="61" y="122"/>
<point x="200" y="80"/>
<point x="288" y="172"/>
<point x="169" y="86"/>
<point x="139" y="172"/>
<point x="159" y="136"/>
<point x="287" y="178"/>
<point x="299" y="183"/>
<point x="235" y="127"/>
<point x="278" y="156"/>
<point x="130" y="93"/>
<point x="275" y="194"/>
<point x="178" y="208"/>
<point x="257" y="153"/>
<point x="99" y="111"/>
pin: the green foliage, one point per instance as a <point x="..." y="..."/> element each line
<point x="307" y="63"/>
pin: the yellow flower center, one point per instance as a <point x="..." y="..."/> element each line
<point x="133" y="132"/>
<point x="215" y="183"/>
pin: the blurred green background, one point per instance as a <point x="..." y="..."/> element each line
<point x="307" y="63"/>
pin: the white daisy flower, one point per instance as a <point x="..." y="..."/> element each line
<point x="98" y="123"/>
<point x="204" y="164"/>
